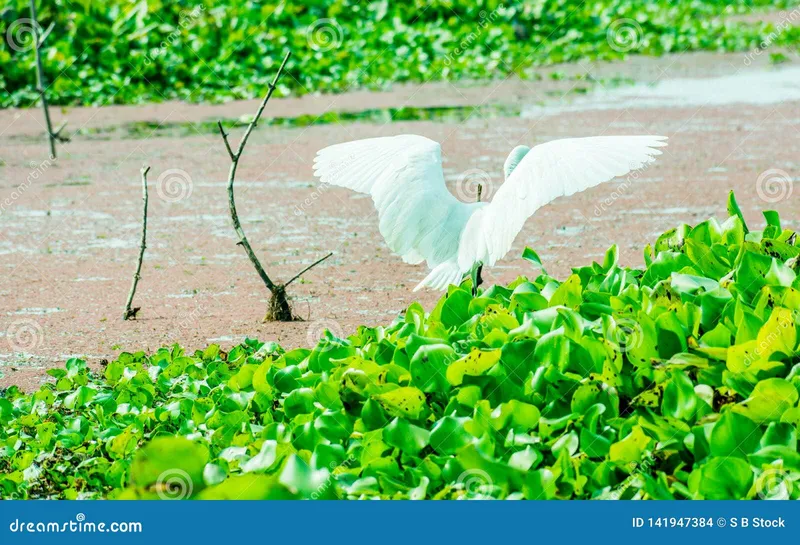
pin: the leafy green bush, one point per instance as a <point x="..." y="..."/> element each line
<point x="679" y="380"/>
<point x="132" y="51"/>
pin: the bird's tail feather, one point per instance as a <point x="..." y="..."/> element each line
<point x="442" y="276"/>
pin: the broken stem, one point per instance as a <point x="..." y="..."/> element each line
<point x="278" y="308"/>
<point x="131" y="312"/>
<point x="40" y="86"/>
<point x="237" y="226"/>
<point x="477" y="280"/>
<point x="301" y="273"/>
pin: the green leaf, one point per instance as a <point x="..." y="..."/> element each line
<point x="406" y="436"/>
<point x="476" y="363"/>
<point x="174" y="466"/>
<point x="769" y="400"/>
<point x="724" y="478"/>
<point x="734" y="435"/>
<point x="407" y="401"/>
<point x="734" y="210"/>
<point x="530" y="255"/>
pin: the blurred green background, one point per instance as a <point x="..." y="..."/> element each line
<point x="123" y="51"/>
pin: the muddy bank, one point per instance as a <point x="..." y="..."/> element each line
<point x="69" y="229"/>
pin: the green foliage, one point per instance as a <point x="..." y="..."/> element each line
<point x="679" y="380"/>
<point x="132" y="51"/>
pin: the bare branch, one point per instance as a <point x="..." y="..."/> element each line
<point x="40" y="86"/>
<point x="237" y="226"/>
<point x="225" y="139"/>
<point x="57" y="133"/>
<point x="131" y="312"/>
<point x="263" y="105"/>
<point x="46" y="33"/>
<point x="301" y="273"/>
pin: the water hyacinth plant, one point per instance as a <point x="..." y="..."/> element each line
<point x="678" y="380"/>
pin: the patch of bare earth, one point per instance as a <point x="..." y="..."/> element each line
<point x="69" y="229"/>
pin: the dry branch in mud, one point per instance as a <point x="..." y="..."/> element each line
<point x="278" y="308"/>
<point x="53" y="136"/>
<point x="130" y="313"/>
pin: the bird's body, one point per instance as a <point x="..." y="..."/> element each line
<point x="422" y="221"/>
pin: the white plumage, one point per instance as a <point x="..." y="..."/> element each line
<point x="422" y="221"/>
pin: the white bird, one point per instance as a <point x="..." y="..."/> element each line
<point x="422" y="221"/>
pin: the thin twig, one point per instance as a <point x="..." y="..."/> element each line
<point x="225" y="139"/>
<point x="237" y="226"/>
<point x="301" y="273"/>
<point x="131" y="312"/>
<point x="57" y="133"/>
<point x="40" y="86"/>
<point x="263" y="105"/>
<point x="46" y="33"/>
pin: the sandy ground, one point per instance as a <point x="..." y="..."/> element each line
<point x="70" y="228"/>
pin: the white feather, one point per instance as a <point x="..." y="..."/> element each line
<point x="548" y="171"/>
<point x="421" y="220"/>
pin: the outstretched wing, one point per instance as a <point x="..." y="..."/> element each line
<point x="419" y="218"/>
<point x="548" y="171"/>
